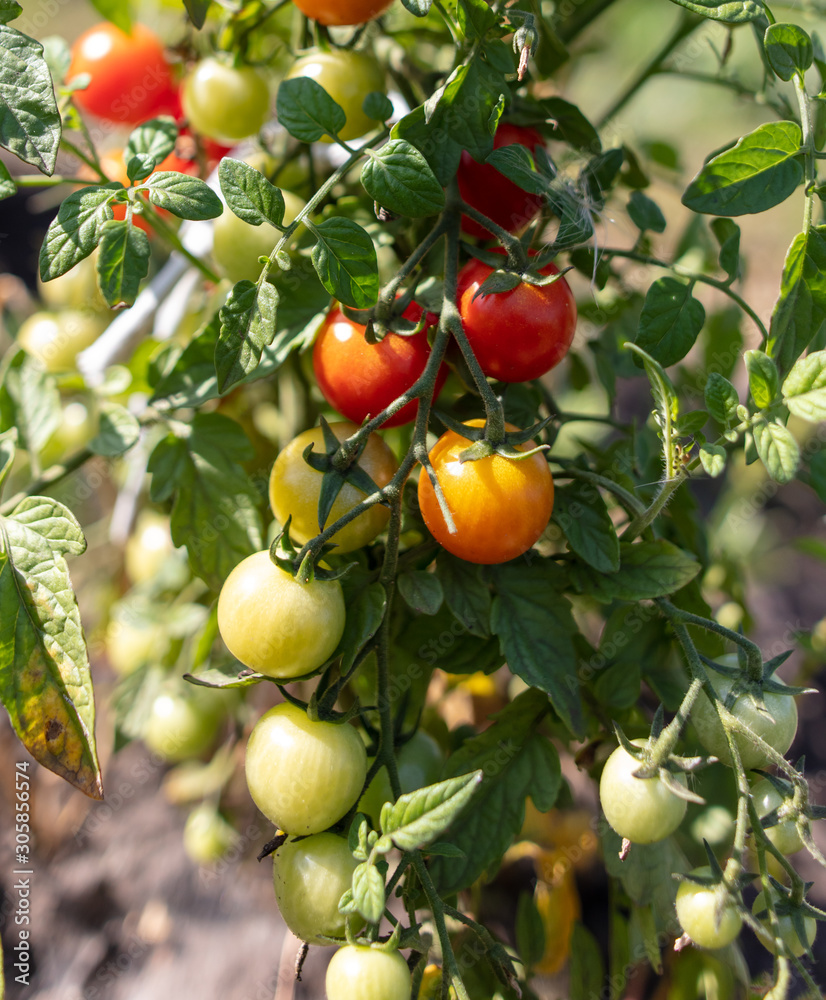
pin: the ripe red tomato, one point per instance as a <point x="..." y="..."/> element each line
<point x="485" y="189"/>
<point x="521" y="334"/>
<point x="360" y="379"/>
<point x="500" y="506"/>
<point x="342" y="11"/>
<point x="131" y="79"/>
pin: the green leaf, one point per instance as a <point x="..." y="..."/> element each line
<point x="345" y="260"/>
<point x="119" y="430"/>
<point x="7" y="185"/>
<point x="115" y="11"/>
<point x="764" y="381"/>
<point x="34" y="402"/>
<point x="536" y="631"/>
<point x="817" y="472"/>
<point x="671" y="320"/>
<point x="435" y="144"/>
<point x="247" y="328"/>
<point x="123" y="261"/>
<point x="804" y="390"/>
<point x="76" y="230"/>
<point x="307" y="111"/>
<point x="517" y="762"/>
<point x="466" y="595"/>
<point x="197" y="10"/>
<point x="475" y="18"/>
<point x="516" y="163"/>
<point x="368" y="892"/>
<point x="416" y="819"/>
<point x="182" y="195"/>
<point x="662" y="389"/>
<point x="570" y="124"/>
<point x="728" y="11"/>
<point x="777" y="449"/>
<point x="587" y="968"/>
<point x="224" y="675"/>
<point x="377" y="106"/>
<point x="30" y="124"/>
<point x="721" y="399"/>
<point x="800" y="309"/>
<point x="645" y="213"/>
<point x="155" y="138"/>
<point x="418" y="8"/>
<point x="728" y="236"/>
<point x="601" y="173"/>
<point x="646" y="873"/>
<point x="9" y="10"/>
<point x="215" y="509"/>
<point x="365" y="604"/>
<point x="530" y="930"/>
<point x="8" y="440"/>
<point x="713" y="459"/>
<point x="421" y="591"/>
<point x="399" y="178"/>
<point x="463" y="113"/>
<point x="45" y="682"/>
<point x="759" y="172"/>
<point x="580" y="512"/>
<point x="788" y="49"/>
<point x="249" y="194"/>
<point x="647" y="570"/>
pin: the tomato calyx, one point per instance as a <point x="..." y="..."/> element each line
<point x="483" y="444"/>
<point x="754" y="689"/>
<point x="284" y="554"/>
<point x="653" y="767"/>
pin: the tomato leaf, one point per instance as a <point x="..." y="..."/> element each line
<point x="9" y="10"/>
<point x="182" y="195"/>
<point x="421" y="591"/>
<point x="587" y="966"/>
<point x="197" y="10"/>
<point x="728" y="11"/>
<point x="416" y="819"/>
<point x="804" y="390"/>
<point x="466" y="595"/>
<point x="517" y="164"/>
<point x="721" y="399"/>
<point x="788" y="49"/>
<point x="418" y="8"/>
<point x="345" y="260"/>
<point x="728" y="236"/>
<point x="800" y="310"/>
<point x="777" y="449"/>
<point x="215" y="507"/>
<point x="516" y="762"/>
<point x="713" y="459"/>
<point x="45" y="682"/>
<point x="475" y="18"/>
<point x="645" y="213"/>
<point x="118" y="431"/>
<point x="399" y="178"/>
<point x="155" y="138"/>
<point x="30" y="125"/>
<point x="249" y="194"/>
<point x="368" y="892"/>
<point x="8" y="441"/>
<point x="671" y="320"/>
<point x="647" y="570"/>
<point x="7" y="184"/>
<point x="224" y="675"/>
<point x="307" y="111"/>
<point x="580" y="512"/>
<point x="441" y="151"/>
<point x="365" y="605"/>
<point x="569" y="124"/>
<point x="115" y="11"/>
<point x="247" y="327"/>
<point x="123" y="261"/>
<point x="32" y="400"/>
<point x="764" y="381"/>
<point x="76" y="230"/>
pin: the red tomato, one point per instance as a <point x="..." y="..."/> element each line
<point x="485" y="189"/>
<point x="115" y="169"/>
<point x="360" y="379"/>
<point x="342" y="11"/>
<point x="520" y="334"/>
<point x="131" y="79"/>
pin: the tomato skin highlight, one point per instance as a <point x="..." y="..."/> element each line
<point x="517" y="335"/>
<point x="359" y="379"/>
<point x="500" y="506"/>
<point x="342" y="12"/>
<point x="131" y="81"/>
<point x="491" y="193"/>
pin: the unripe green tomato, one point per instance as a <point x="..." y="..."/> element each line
<point x="130" y="646"/>
<point x="779" y="733"/>
<point x="310" y="876"/>
<point x="207" y="835"/>
<point x="697" y="908"/>
<point x="183" y="725"/>
<point x="348" y="77"/>
<point x="788" y="934"/>
<point x="643" y="810"/>
<point x="224" y="102"/>
<point x="358" y="972"/>
<point x="276" y="625"/>
<point x="303" y="775"/>
<point x="56" y="339"/>
<point x="148" y="547"/>
<point x="75" y="431"/>
<point x="784" y="835"/>
<point x="76" y="289"/>
<point x="237" y="245"/>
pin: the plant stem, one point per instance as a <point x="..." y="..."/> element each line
<point x="436" y="907"/>
<point x="808" y="149"/>
<point x="642" y="521"/>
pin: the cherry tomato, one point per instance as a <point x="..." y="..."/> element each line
<point x="359" y="379"/>
<point x="303" y="775"/>
<point x="341" y="12"/>
<point x="225" y="102"/>
<point x="148" y="547"/>
<point x="520" y="334"/>
<point x="485" y="189"/>
<point x="295" y="489"/>
<point x="237" y="245"/>
<point x="643" y="810"/>
<point x="131" y="80"/>
<point x="500" y="506"/>
<point x="207" y="835"/>
<point x="348" y="77"/>
<point x="707" y="913"/>
<point x="276" y="625"/>
<point x="115" y="169"/>
<point x="788" y="934"/>
<point x="184" y="724"/>
<point x="783" y="835"/>
<point x="310" y="876"/>
<point x="56" y="339"/>
<point x="359" y="972"/>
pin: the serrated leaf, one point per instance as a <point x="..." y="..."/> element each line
<point x="45" y="682"/>
<point x="728" y="236"/>
<point x="76" y="230"/>
<point x="197" y="10"/>
<point x="123" y="261"/>
<point x="759" y="172"/>
<point x="800" y="310"/>
<point x="516" y="163"/>
<point x="399" y="178"/>
<point x="307" y="111"/>
<point x="182" y="195"/>
<point x="713" y="459"/>
<point x="419" y="817"/>
<point x="466" y="594"/>
<point x="345" y="260"/>
<point x="215" y="509"/>
<point x="247" y="327"/>
<point x="115" y="11"/>
<point x="438" y="148"/>
<point x="647" y="570"/>
<point x="804" y="390"/>
<point x="645" y="213"/>
<point x="788" y="49"/>
<point x="580" y="512"/>
<point x="536" y="629"/>
<point x="368" y="892"/>
<point x="728" y="11"/>
<point x="777" y="449"/>
<point x="721" y="399"/>
<point x="118" y="431"/>
<point x="30" y="125"/>
<point x="155" y="138"/>
<point x="764" y="381"/>
<point x="421" y="591"/>
<point x="249" y="194"/>
<point x="671" y="320"/>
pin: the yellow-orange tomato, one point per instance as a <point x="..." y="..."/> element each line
<point x="500" y="506"/>
<point x="341" y="12"/>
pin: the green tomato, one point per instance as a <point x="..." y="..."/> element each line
<point x="276" y="625"/>
<point x="207" y="835"/>
<point x="784" y="835"/>
<point x="348" y="77"/>
<point x="358" y="972"/>
<point x="76" y="429"/>
<point x="130" y="645"/>
<point x="56" y="339"/>
<point x="183" y="725"/>
<point x="224" y="102"/>
<point x="148" y="547"/>
<point x="778" y="733"/>
<point x="642" y="810"/>
<point x="303" y="775"/>
<point x="788" y="934"/>
<point x="237" y="245"/>
<point x="310" y="876"/>
<point x="419" y="763"/>
<point x="707" y="914"/>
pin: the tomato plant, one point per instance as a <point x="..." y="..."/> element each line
<point x="706" y="913"/>
<point x="784" y="834"/>
<point x="237" y="245"/>
<point x="357" y="972"/>
<point x="183" y="724"/>
<point x="224" y="102"/>
<point x="790" y="938"/>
